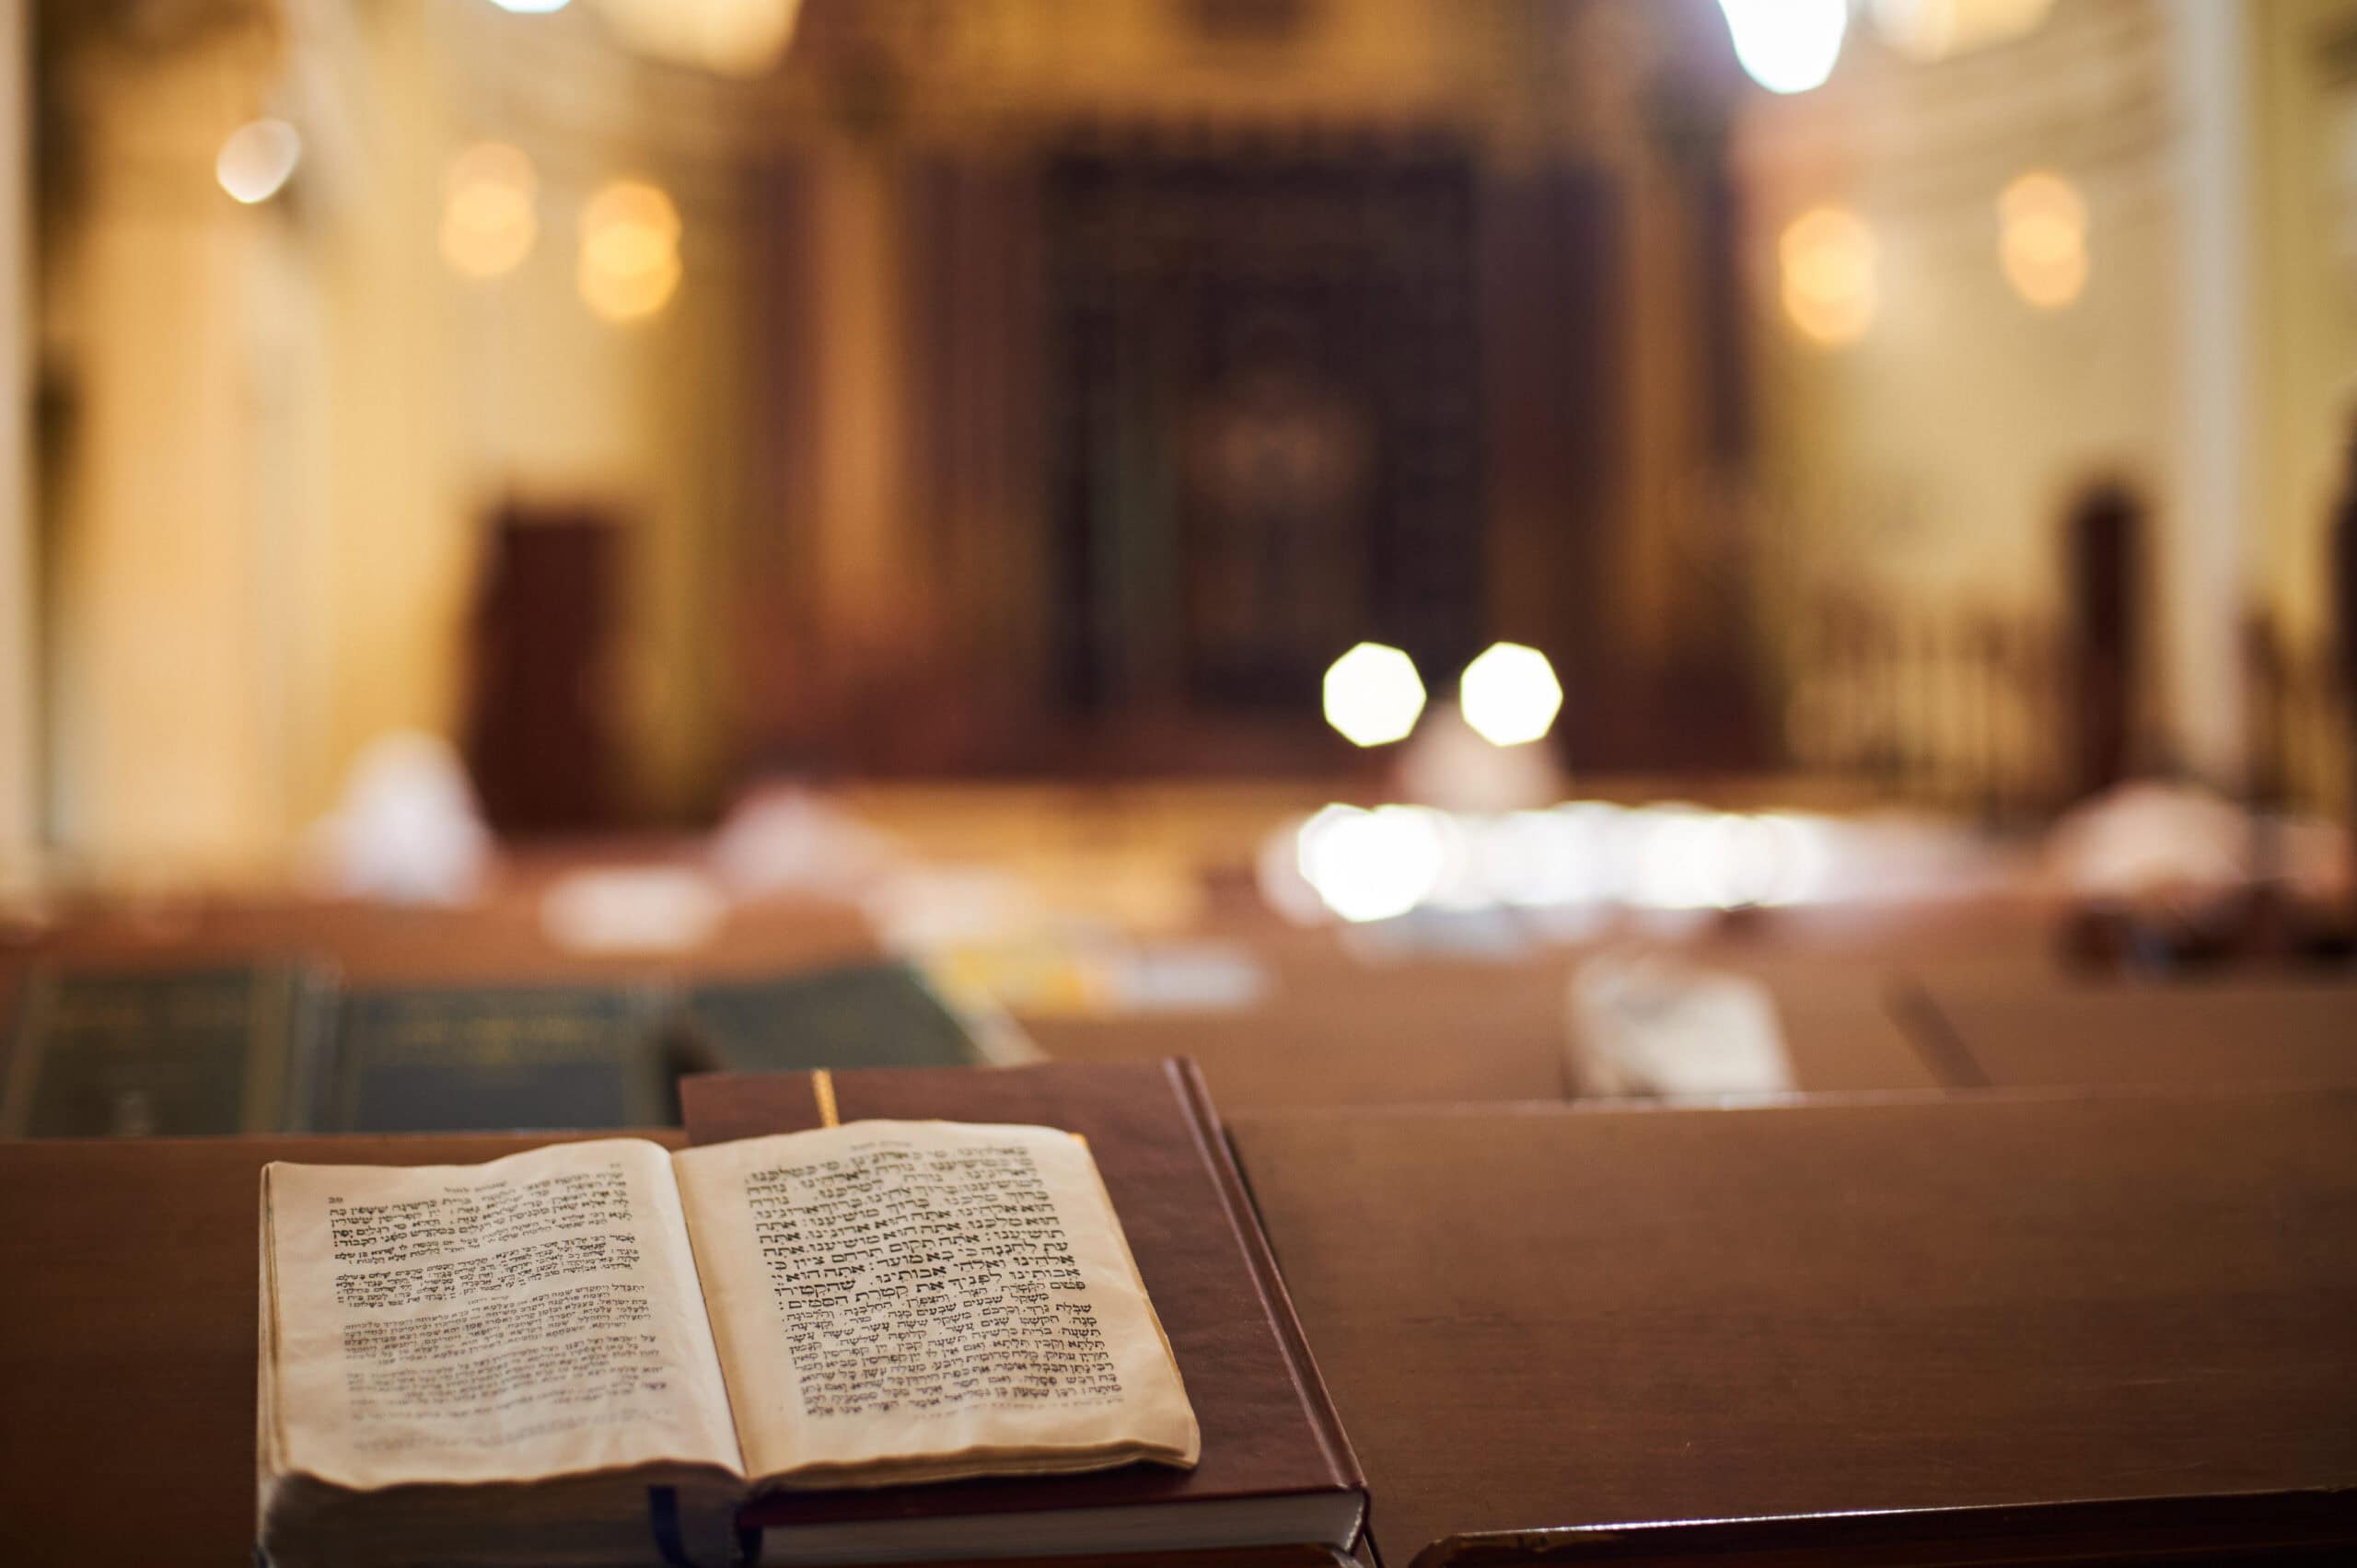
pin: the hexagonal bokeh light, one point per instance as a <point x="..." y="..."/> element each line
<point x="1510" y="694"/>
<point x="1372" y="694"/>
<point x="1787" y="46"/>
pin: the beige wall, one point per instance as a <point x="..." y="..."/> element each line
<point x="1932" y="455"/>
<point x="1929" y="462"/>
<point x="293" y="420"/>
<point x="453" y="393"/>
<point x="2306" y="211"/>
<point x="165" y="633"/>
<point x="2212" y="357"/>
<point x="2305" y="208"/>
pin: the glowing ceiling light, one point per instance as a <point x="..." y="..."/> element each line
<point x="2042" y="239"/>
<point x="1829" y="259"/>
<point x="1510" y="694"/>
<point x="733" y="38"/>
<point x="1787" y="46"/>
<point x="629" y="250"/>
<point x="531" y="7"/>
<point x="1372" y="694"/>
<point x="1372" y="865"/>
<point x="257" y="159"/>
<point x="489" y="222"/>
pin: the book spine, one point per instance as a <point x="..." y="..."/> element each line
<point x="274" y="1020"/>
<point x="310" y="1049"/>
<point x="1244" y="1219"/>
<point x="17" y="1048"/>
<point x="654" y="1094"/>
<point x="29" y="1026"/>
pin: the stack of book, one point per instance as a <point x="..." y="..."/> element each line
<point x="871" y="1316"/>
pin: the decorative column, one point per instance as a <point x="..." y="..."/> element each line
<point x="167" y="761"/>
<point x="20" y="748"/>
<point x="2204" y="538"/>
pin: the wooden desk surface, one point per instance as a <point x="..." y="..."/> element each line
<point x="127" y="1329"/>
<point x="1436" y="1032"/>
<point x="2187" y="1033"/>
<point x="1838" y="1046"/>
<point x="1840" y="1033"/>
<point x="1399" y="1034"/>
<point x="1548" y="1317"/>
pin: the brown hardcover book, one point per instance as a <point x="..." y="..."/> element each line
<point x="1275" y="1465"/>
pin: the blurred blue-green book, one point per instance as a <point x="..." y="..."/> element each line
<point x="108" y="1052"/>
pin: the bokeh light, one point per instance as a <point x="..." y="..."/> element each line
<point x="1585" y="858"/>
<point x="629" y="250"/>
<point x="1935" y="29"/>
<point x="257" y="159"/>
<point x="1679" y="859"/>
<point x="1510" y="694"/>
<point x="2042" y="239"/>
<point x="1534" y="859"/>
<point x="1374" y="864"/>
<point x="531" y="7"/>
<point x="732" y="38"/>
<point x="1768" y="860"/>
<point x="1787" y="46"/>
<point x="1683" y="858"/>
<point x="1460" y="881"/>
<point x="488" y="221"/>
<point x="1829" y="260"/>
<point x="1372" y="694"/>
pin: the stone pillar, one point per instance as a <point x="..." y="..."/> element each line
<point x="20" y="750"/>
<point x="2206" y="532"/>
<point x="165" y="630"/>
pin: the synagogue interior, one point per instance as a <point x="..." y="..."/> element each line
<point x="1701" y="654"/>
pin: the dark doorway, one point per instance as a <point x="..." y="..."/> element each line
<point x="542" y="741"/>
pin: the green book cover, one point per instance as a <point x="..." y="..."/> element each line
<point x="495" y="1057"/>
<point x="867" y="1015"/>
<point x="105" y="1052"/>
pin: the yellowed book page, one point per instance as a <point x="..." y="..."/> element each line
<point x="536" y="1315"/>
<point x="935" y="1291"/>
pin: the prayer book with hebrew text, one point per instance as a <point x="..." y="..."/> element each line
<point x="598" y="1352"/>
<point x="896" y="1339"/>
<point x="1276" y="1468"/>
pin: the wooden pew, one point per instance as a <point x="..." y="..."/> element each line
<point x="127" y="1336"/>
<point x="1399" y="1034"/>
<point x="1800" y="1317"/>
<point x="2011" y="1034"/>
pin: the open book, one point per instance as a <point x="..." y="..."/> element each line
<point x="595" y="1352"/>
